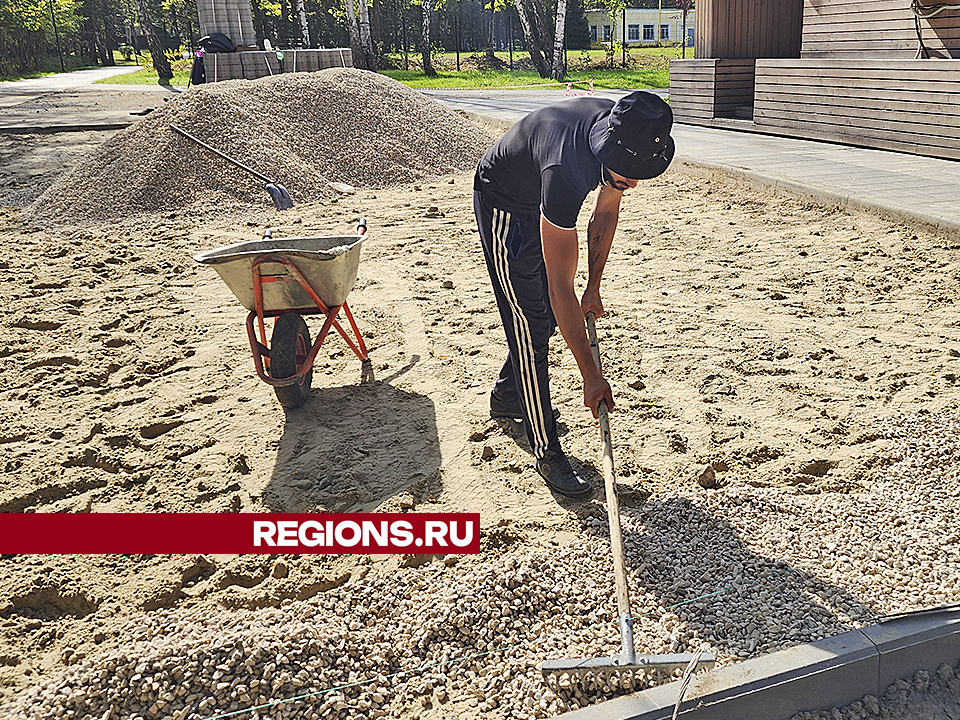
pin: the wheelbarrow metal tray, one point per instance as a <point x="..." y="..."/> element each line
<point x="329" y="264"/>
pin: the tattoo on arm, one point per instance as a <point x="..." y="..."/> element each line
<point x="593" y="248"/>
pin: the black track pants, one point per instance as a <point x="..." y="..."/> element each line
<point x="514" y="255"/>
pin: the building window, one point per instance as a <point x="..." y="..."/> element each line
<point x="648" y="32"/>
<point x="606" y="33"/>
<point x="664" y="32"/>
<point x="593" y="33"/>
<point x="633" y="33"/>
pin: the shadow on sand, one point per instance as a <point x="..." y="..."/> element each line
<point x="351" y="448"/>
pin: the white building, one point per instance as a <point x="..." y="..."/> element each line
<point x="643" y="26"/>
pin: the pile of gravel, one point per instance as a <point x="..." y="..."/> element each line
<point x="302" y="130"/>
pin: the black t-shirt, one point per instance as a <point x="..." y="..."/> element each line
<point x="544" y="162"/>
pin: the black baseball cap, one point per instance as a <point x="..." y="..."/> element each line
<point x="634" y="139"/>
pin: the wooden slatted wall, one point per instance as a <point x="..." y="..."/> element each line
<point x="874" y="28"/>
<point x="904" y="105"/>
<point x="734" y="89"/>
<point x="748" y="28"/>
<point x="692" y="90"/>
<point x="701" y="90"/>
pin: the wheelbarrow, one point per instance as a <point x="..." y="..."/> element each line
<point x="288" y="278"/>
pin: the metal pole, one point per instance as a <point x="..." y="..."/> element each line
<point x="624" y="38"/>
<point x="458" y="35"/>
<point x="659" y="22"/>
<point x="56" y="37"/>
<point x="403" y="25"/>
<point x="511" y="43"/>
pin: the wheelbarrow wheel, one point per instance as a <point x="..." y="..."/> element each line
<point x="289" y="348"/>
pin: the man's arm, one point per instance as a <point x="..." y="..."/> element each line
<point x="600" y="231"/>
<point x="561" y="249"/>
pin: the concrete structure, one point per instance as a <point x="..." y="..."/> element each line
<point x="641" y="26"/>
<point x="251" y="65"/>
<point x="233" y="18"/>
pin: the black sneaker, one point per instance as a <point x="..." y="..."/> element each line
<point x="512" y="410"/>
<point x="560" y="476"/>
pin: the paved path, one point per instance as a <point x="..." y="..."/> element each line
<point x="907" y="188"/>
<point x="919" y="191"/>
<point x="74" y="101"/>
<point x="15" y="92"/>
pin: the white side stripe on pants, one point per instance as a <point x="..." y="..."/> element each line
<point x="530" y="385"/>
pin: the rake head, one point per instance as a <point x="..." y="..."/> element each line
<point x="617" y="665"/>
<point x="620" y="670"/>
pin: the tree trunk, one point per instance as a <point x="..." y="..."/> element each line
<point x="559" y="69"/>
<point x="259" y="23"/>
<point x="160" y="61"/>
<point x="303" y="29"/>
<point x="366" y="40"/>
<point x="425" y="41"/>
<point x="108" y="33"/>
<point x="543" y="30"/>
<point x="355" y="46"/>
<point x="490" y="37"/>
<point x="376" y="30"/>
<point x="536" y="56"/>
<point x="284" y="29"/>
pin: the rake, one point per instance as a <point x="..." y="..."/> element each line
<point x="627" y="663"/>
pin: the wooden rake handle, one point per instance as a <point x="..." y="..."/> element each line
<point x="610" y="486"/>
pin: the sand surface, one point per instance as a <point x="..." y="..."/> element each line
<point x="754" y="333"/>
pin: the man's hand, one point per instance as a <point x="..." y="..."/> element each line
<point x="591" y="303"/>
<point x="595" y="390"/>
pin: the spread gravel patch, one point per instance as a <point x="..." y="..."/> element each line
<point x="302" y="130"/>
<point x="740" y="571"/>
<point x="921" y="697"/>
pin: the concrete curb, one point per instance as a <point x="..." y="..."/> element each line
<point x="819" y="195"/>
<point x="821" y="675"/>
<point x="487" y="119"/>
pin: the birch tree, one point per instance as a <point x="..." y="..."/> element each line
<point x="366" y="40"/>
<point x="425" y="40"/>
<point x="356" y="47"/>
<point x="559" y="67"/>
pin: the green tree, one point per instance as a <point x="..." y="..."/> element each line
<point x="578" y="29"/>
<point x="160" y="62"/>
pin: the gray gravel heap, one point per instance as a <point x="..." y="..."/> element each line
<point x="301" y="130"/>
<point x="739" y="570"/>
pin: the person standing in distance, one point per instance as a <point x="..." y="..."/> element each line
<point x="528" y="191"/>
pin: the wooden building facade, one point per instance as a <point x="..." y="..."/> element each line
<point x="870" y="73"/>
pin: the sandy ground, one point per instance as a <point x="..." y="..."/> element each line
<point x="755" y="333"/>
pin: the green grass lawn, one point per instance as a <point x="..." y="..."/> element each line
<point x="148" y="76"/>
<point x="474" y="79"/>
<point x="645" y="68"/>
